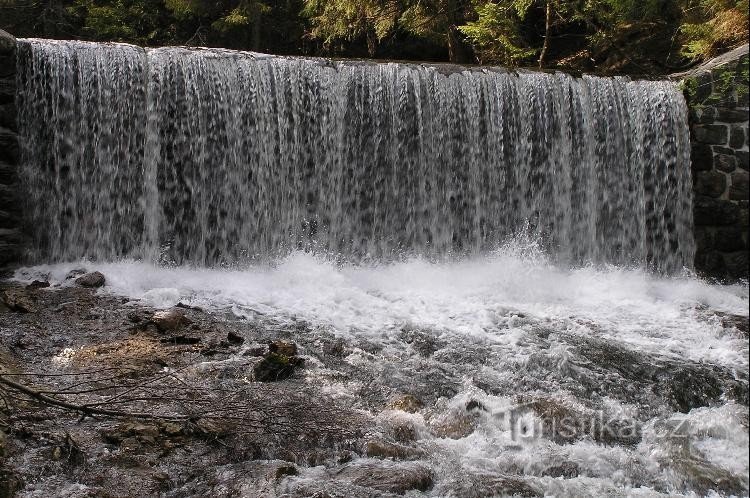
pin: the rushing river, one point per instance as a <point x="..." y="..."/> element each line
<point x="585" y="382"/>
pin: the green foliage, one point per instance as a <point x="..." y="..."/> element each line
<point x="495" y="33"/>
<point x="642" y="36"/>
<point x="122" y="20"/>
<point x="710" y="26"/>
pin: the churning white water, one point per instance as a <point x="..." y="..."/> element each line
<point x="508" y="326"/>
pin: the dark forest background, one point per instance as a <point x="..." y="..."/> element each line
<point x="646" y="37"/>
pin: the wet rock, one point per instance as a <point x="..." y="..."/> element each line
<point x="282" y="470"/>
<point x="626" y="374"/>
<point x="10" y="482"/>
<point x="739" y="322"/>
<point x="406" y="403"/>
<point x="137" y="316"/>
<point x="283" y="348"/>
<point x="233" y="338"/>
<point x="91" y="280"/>
<point x="18" y="300"/>
<point x="480" y="486"/>
<point x="275" y="367"/>
<point x="382" y="449"/>
<point x="134" y="431"/>
<point x="255" y="349"/>
<point x="68" y="450"/>
<point x="455" y="425"/>
<point x="334" y="347"/>
<point x="188" y="307"/>
<point x="170" y="320"/>
<point x="567" y="470"/>
<point x="423" y="342"/>
<point x="475" y="405"/>
<point x="75" y="273"/>
<point x="396" y="478"/>
<point x="38" y="284"/>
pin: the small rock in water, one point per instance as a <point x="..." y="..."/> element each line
<point x="93" y="279"/>
<point x="19" y="301"/>
<point x="567" y="470"/>
<point x="406" y="403"/>
<point x="170" y="320"/>
<point x="382" y="449"/>
<point x="275" y="366"/>
<point x="75" y="273"/>
<point x="38" y="284"/>
<point x="393" y="478"/>
<point x="233" y="338"/>
<point x="283" y="348"/>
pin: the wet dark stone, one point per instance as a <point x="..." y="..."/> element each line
<point x="702" y="115"/>
<point x="93" y="279"/>
<point x="728" y="239"/>
<point x="423" y="342"/>
<point x="725" y="162"/>
<point x="715" y="212"/>
<point x="732" y="115"/>
<point x="233" y="338"/>
<point x="703" y="87"/>
<point x="737" y="137"/>
<point x="567" y="470"/>
<point x="740" y="187"/>
<point x="275" y="367"/>
<point x="701" y="157"/>
<point x="77" y="272"/>
<point x="38" y="284"/>
<point x="7" y="42"/>
<point x="398" y="478"/>
<point x="283" y="348"/>
<point x="475" y="405"/>
<point x="710" y="263"/>
<point x="682" y="385"/>
<point x="481" y="486"/>
<point x="7" y="90"/>
<point x="711" y="134"/>
<point x="737" y="265"/>
<point x="8" y="116"/>
<point x="18" y="300"/>
<point x="710" y="183"/>
<point x="8" y="146"/>
<point x="7" y="66"/>
<point x="743" y="159"/>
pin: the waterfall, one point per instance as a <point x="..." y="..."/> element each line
<point x="211" y="157"/>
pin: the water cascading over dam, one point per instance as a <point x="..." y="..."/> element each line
<point x="211" y="156"/>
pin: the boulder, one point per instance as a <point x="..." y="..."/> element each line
<point x="18" y="300"/>
<point x="283" y="348"/>
<point x="275" y="366"/>
<point x="382" y="449"/>
<point x="395" y="478"/>
<point x="170" y="320"/>
<point x="38" y="284"/>
<point x="406" y="403"/>
<point x="91" y="280"/>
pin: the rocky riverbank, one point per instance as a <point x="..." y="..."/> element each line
<point x="101" y="395"/>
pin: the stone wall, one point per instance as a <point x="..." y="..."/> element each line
<point x="10" y="235"/>
<point x="717" y="95"/>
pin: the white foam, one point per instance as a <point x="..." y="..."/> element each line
<point x="651" y="313"/>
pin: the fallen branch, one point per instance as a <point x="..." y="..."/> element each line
<point x="84" y="409"/>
